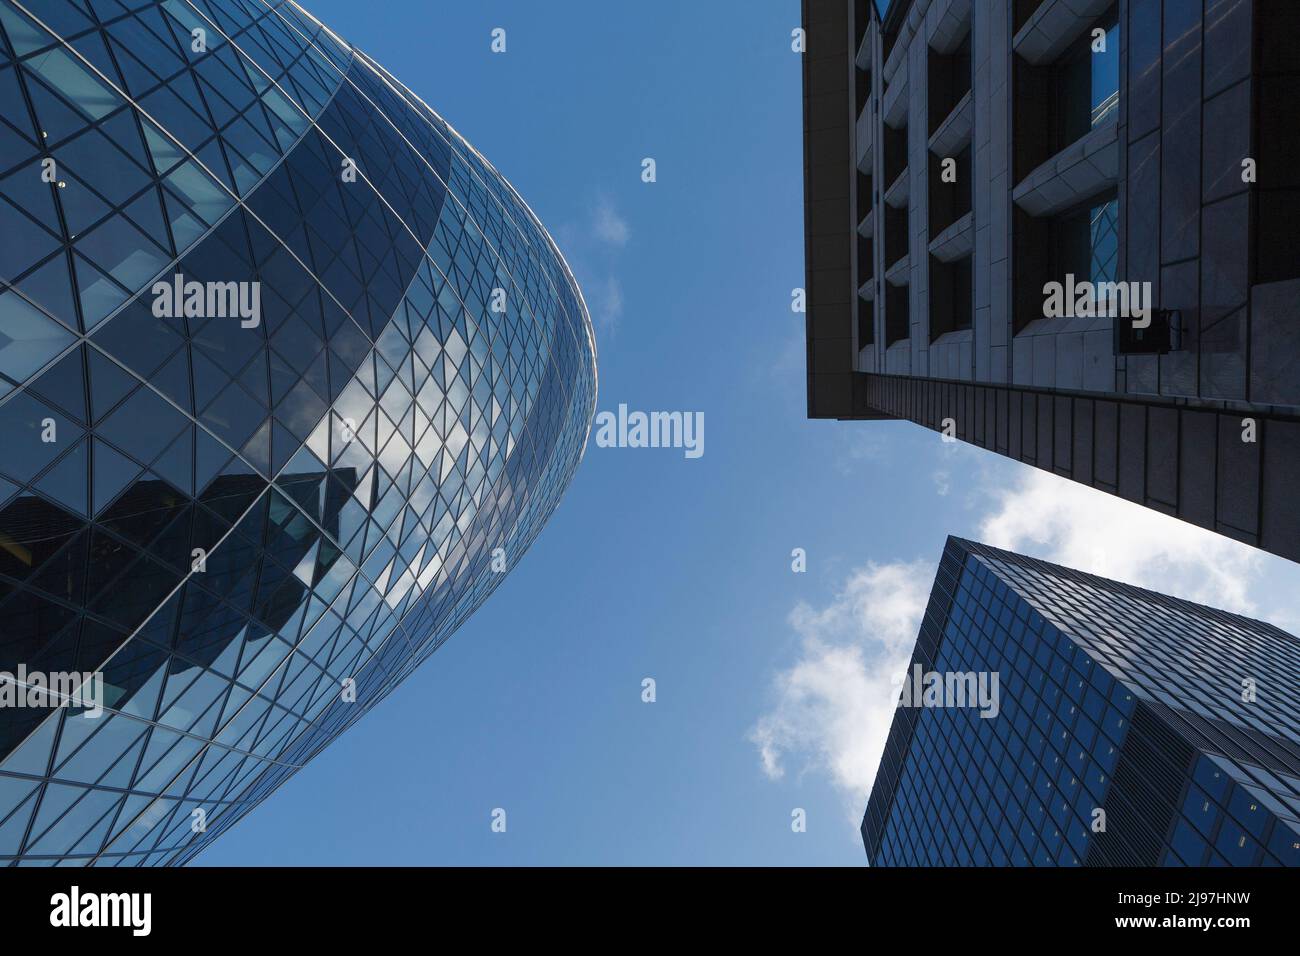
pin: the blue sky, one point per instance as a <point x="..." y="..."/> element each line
<point x="772" y="686"/>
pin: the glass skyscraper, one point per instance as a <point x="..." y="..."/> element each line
<point x="1130" y="728"/>
<point x="289" y="375"/>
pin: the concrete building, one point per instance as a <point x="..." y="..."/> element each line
<point x="963" y="155"/>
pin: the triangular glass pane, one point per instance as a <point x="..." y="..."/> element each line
<point x="143" y="425"/>
<point x="120" y="773"/>
<point x="173" y="380"/>
<point x="25" y="243"/>
<point x="24" y="427"/>
<point x="14" y="829"/>
<point x="32" y="194"/>
<point x="57" y="798"/>
<point x="105" y="803"/>
<point x="146" y="212"/>
<point x="121" y="129"/>
<point x="112" y="472"/>
<point x="65" y="19"/>
<point x="210" y="457"/>
<point x="28" y="337"/>
<point x="99" y="294"/>
<point x="176" y="464"/>
<point x="66" y="482"/>
<point x="13" y="107"/>
<point x="56" y="119"/>
<point x="50" y="286"/>
<point x="109" y="383"/>
<point x="33" y="755"/>
<point x="91" y="46"/>
<point x="123" y="251"/>
<point x="64" y="385"/>
<point x="75" y="83"/>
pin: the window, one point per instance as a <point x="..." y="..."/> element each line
<point x="949" y="81"/>
<point x="949" y="201"/>
<point x="1083" y="243"/>
<point x="1086" y="243"/>
<point x="896" y="314"/>
<point x="950" y="298"/>
<point x="866" y="324"/>
<point x="1087" y="83"/>
<point x="1056" y="104"/>
<point x="895" y="235"/>
<point x="895" y="154"/>
<point x="1105" y="78"/>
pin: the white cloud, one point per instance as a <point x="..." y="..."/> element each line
<point x="1050" y="517"/>
<point x="834" y="706"/>
<point x="605" y="299"/>
<point x="835" y="703"/>
<point x="607" y="225"/>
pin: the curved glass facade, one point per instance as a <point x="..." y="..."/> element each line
<point x="245" y="506"/>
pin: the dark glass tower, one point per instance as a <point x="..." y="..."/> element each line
<point x="1174" y="726"/>
<point x="241" y="521"/>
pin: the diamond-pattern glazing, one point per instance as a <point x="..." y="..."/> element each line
<point x="347" y="467"/>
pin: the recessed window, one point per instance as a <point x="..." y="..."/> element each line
<point x="896" y="314"/>
<point x="895" y="154"/>
<point x="866" y="324"/>
<point x="950" y="296"/>
<point x="949" y="81"/>
<point x="864" y="196"/>
<point x="950" y="195"/>
<point x="864" y="260"/>
<point x="1087" y="83"/>
<point x="1057" y="104"/>
<point x="895" y="234"/>
<point x="1083" y="243"/>
<point x="1105" y="79"/>
<point x="1086" y="243"/>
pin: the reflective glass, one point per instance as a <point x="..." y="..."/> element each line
<point x="236" y="523"/>
<point x="1122" y="732"/>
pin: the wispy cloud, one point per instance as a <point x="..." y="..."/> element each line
<point x="606" y="297"/>
<point x="607" y="225"/>
<point x="861" y="449"/>
<point x="942" y="475"/>
<point x="593" y="246"/>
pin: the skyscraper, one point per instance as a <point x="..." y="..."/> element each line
<point x="1063" y="230"/>
<point x="289" y="375"/>
<point x="1125" y="727"/>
